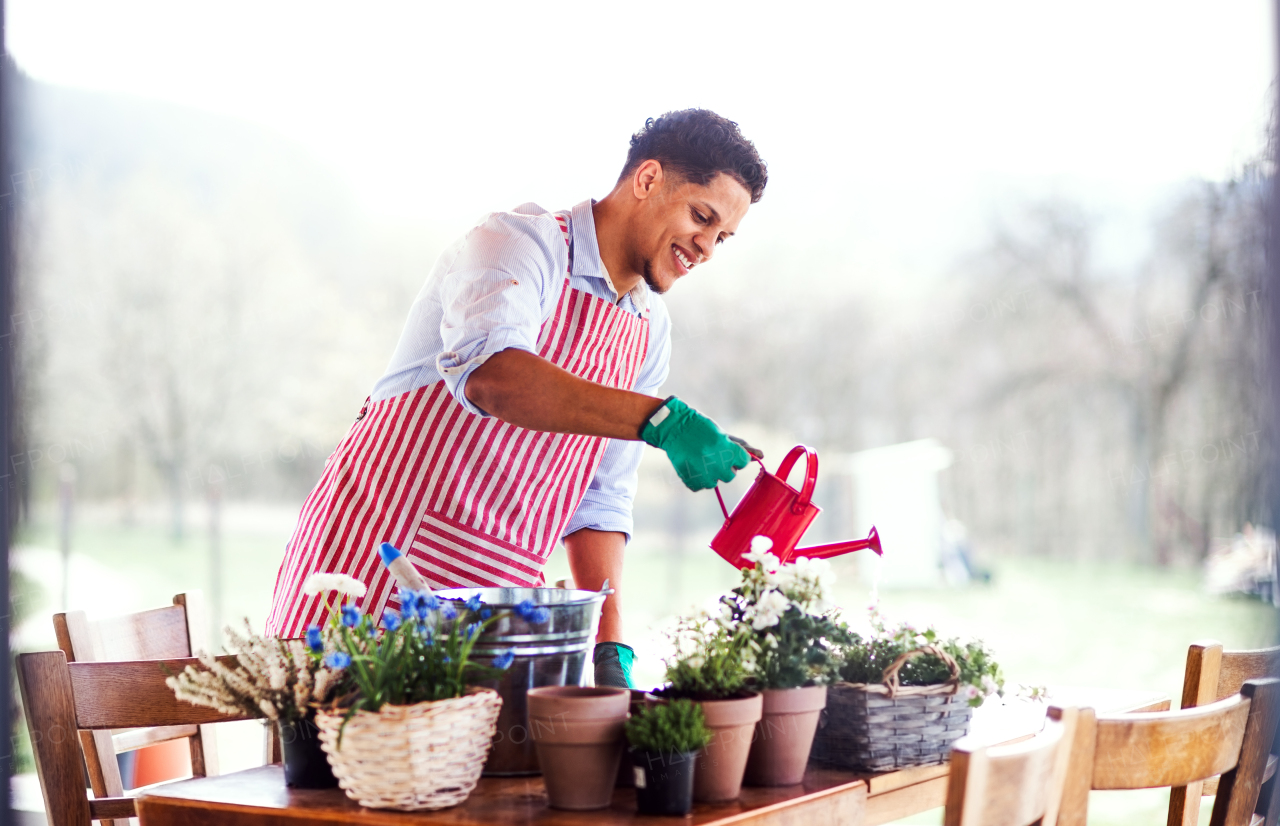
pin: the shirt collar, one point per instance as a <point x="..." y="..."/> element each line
<point x="586" y="254"/>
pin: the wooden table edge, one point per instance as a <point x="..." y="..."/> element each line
<point x="160" y="804"/>
<point x="812" y="797"/>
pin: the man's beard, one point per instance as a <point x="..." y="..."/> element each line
<point x="650" y="280"/>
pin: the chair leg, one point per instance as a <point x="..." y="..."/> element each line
<point x="271" y="750"/>
<point x="1269" y="800"/>
<point x="1184" y="804"/>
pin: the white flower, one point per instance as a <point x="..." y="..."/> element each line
<point x="341" y="583"/>
<point x="989" y="685"/>
<point x="695" y="662"/>
<point x="921" y="640"/>
<point x="768" y="609"/>
<point x="759" y="553"/>
<point x="970" y="691"/>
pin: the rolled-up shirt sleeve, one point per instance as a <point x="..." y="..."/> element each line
<point x="495" y="296"/>
<point x="608" y="502"/>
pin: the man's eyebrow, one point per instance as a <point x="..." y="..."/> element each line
<point x="715" y="216"/>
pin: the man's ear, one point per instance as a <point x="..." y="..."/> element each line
<point x="647" y="179"/>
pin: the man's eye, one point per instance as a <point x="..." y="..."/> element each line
<point x="698" y="216"/>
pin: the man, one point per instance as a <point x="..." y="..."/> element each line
<point x="513" y="410"/>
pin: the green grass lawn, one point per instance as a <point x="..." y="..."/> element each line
<point x="1049" y="622"/>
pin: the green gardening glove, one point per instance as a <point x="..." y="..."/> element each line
<point x="702" y="454"/>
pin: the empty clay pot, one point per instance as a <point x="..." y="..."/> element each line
<point x="578" y="732"/>
<point x="784" y="735"/>
<point x="721" y="764"/>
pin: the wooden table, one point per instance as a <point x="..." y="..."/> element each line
<point x="258" y="797"/>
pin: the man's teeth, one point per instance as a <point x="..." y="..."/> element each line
<point x="684" y="260"/>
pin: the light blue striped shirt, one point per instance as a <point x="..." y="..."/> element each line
<point x="492" y="290"/>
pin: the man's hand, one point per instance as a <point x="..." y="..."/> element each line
<point x="702" y="454"/>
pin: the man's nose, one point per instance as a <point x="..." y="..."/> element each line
<point x="705" y="247"/>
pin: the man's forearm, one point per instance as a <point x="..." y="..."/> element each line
<point x="531" y="392"/>
<point x="595" y="556"/>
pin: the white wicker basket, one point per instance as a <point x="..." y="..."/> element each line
<point x="423" y="756"/>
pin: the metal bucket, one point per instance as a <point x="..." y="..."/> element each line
<point x="551" y="653"/>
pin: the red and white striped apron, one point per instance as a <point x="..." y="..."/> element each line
<point x="472" y="501"/>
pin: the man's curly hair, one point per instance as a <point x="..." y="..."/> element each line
<point x="697" y="145"/>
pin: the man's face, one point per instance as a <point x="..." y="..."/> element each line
<point x="680" y="224"/>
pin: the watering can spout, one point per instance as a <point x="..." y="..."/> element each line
<point x="872" y="542"/>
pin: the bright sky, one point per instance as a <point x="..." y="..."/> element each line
<point x="894" y="129"/>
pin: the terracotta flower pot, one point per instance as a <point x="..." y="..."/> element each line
<point x="722" y="763"/>
<point x="784" y="735"/>
<point x="579" y="736"/>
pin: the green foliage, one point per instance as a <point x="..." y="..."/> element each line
<point x="779" y="609"/>
<point x="864" y="659"/>
<point x="710" y="662"/>
<point x="677" y="725"/>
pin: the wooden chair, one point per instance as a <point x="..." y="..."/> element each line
<point x="61" y="699"/>
<point x="1230" y="737"/>
<point x="1014" y="785"/>
<point x="172" y="632"/>
<point x="1213" y="674"/>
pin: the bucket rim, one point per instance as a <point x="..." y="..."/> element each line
<point x="585" y="598"/>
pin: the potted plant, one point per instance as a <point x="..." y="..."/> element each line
<point x="411" y="730"/>
<point x="665" y="739"/>
<point x="578" y="733"/>
<point x="711" y="667"/>
<point x="783" y="610"/>
<point x="282" y="681"/>
<point x="892" y="683"/>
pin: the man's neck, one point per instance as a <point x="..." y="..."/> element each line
<point x="611" y="238"/>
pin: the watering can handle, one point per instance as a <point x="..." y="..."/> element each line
<point x="810" y="475"/>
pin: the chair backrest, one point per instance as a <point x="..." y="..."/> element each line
<point x="1230" y="737"/>
<point x="61" y="698"/>
<point x="1214" y="673"/>
<point x="1014" y="785"/>
<point x="172" y="632"/>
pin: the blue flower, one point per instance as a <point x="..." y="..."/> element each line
<point x="390" y="620"/>
<point x="485" y="613"/>
<point x="314" y="641"/>
<point x="338" y="659"/>
<point x="447" y="611"/>
<point x="446" y="660"/>
<point x="473" y="630"/>
<point x="474" y="604"/>
<point x="539" y="616"/>
<point x="350" y="616"/>
<point x="504" y="659"/>
<point x="525" y="608"/>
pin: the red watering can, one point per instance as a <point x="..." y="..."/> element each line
<point x="774" y="509"/>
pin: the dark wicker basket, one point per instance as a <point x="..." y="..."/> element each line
<point x="880" y="727"/>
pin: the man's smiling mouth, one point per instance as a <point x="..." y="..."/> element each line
<point x="683" y="259"/>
